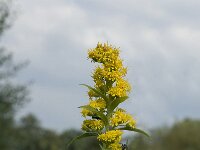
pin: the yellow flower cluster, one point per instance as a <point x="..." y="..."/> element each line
<point x="111" y="70"/>
<point x="121" y="88"/>
<point x="115" y="146"/>
<point x="105" y="73"/>
<point x="92" y="125"/>
<point x="104" y="53"/>
<point x="109" y="137"/>
<point x="86" y="112"/>
<point x="98" y="104"/>
<point x="98" y="77"/>
<point x="121" y="117"/>
<point x="131" y="123"/>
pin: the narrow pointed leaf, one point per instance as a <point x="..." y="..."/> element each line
<point x="117" y="101"/>
<point x="98" y="92"/>
<point x="84" y="135"/>
<point x="101" y="147"/>
<point x="98" y="113"/>
<point x="135" y="130"/>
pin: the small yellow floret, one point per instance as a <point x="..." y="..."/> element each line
<point x="98" y="104"/>
<point x="103" y="53"/>
<point x="98" y="77"/>
<point x="131" y="123"/>
<point x="113" y="136"/>
<point x="121" y="89"/>
<point x="121" y="117"/>
<point x="86" y="112"/>
<point x="115" y="146"/>
<point x="92" y="125"/>
<point x="112" y="74"/>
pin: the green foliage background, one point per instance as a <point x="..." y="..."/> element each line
<point x="183" y="135"/>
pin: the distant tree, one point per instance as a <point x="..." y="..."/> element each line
<point x="138" y="142"/>
<point x="28" y="133"/>
<point x="31" y="136"/>
<point x="4" y="15"/>
<point x="50" y="140"/>
<point x="182" y="135"/>
<point x="12" y="95"/>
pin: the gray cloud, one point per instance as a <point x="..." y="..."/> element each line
<point x="159" y="44"/>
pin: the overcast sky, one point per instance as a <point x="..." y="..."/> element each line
<point x="159" y="42"/>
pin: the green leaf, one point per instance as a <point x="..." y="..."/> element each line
<point x="101" y="147"/>
<point x="84" y="135"/>
<point x="98" y="113"/>
<point x="135" y="130"/>
<point x="116" y="102"/>
<point x="98" y="92"/>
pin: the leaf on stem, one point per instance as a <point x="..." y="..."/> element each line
<point x="101" y="147"/>
<point x="84" y="135"/>
<point x="98" y="92"/>
<point x="116" y="102"/>
<point x="135" y="130"/>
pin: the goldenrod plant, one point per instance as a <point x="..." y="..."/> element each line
<point x="103" y="116"/>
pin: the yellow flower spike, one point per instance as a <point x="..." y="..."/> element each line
<point x="109" y="90"/>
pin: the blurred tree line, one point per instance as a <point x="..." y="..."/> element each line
<point x="183" y="135"/>
<point x="28" y="134"/>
